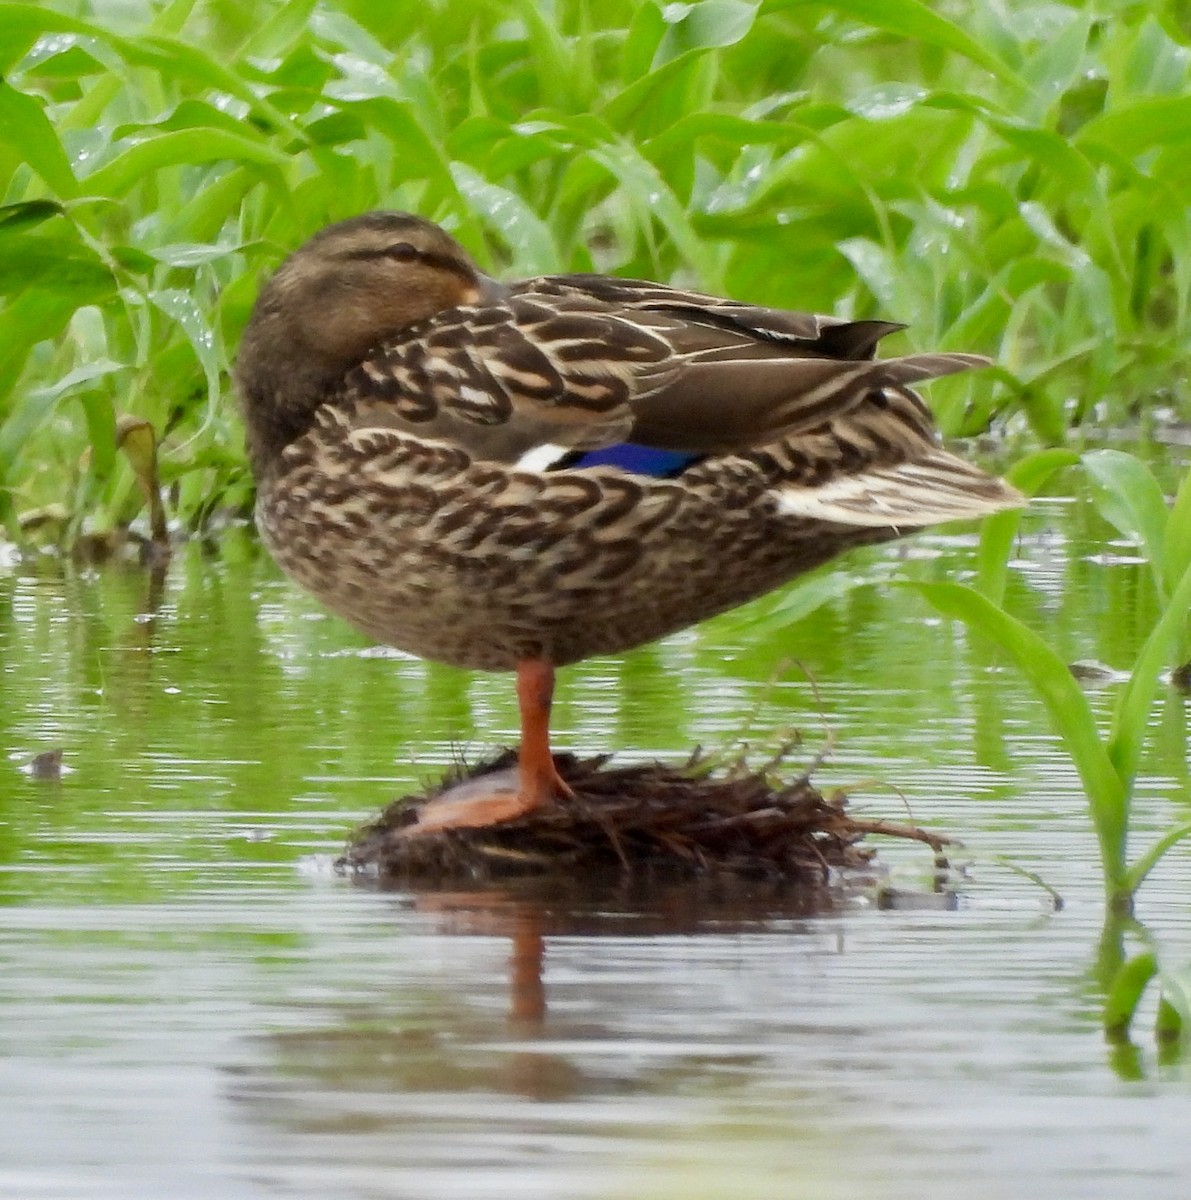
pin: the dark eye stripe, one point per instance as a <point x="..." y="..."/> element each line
<point x="446" y="262"/>
<point x="370" y="253"/>
<point x="442" y="262"/>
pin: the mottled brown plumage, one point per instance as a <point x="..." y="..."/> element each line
<point x="415" y="427"/>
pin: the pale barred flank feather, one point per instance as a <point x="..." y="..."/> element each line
<point x="911" y="495"/>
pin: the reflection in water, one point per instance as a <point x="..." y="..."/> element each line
<point x="192" y="1005"/>
<point x="760" y="1048"/>
<point x="442" y="1072"/>
<point x="527" y="995"/>
<point x="527" y="911"/>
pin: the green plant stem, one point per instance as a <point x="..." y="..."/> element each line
<point x="1107" y="791"/>
<point x="1125" y="992"/>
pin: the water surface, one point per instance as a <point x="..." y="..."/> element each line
<point x="192" y="1003"/>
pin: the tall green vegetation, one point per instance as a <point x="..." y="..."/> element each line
<point x="1006" y="177"/>
<point x="1108" y="760"/>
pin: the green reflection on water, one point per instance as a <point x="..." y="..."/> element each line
<point x="218" y="721"/>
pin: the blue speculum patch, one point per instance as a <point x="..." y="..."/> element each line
<point x="640" y="460"/>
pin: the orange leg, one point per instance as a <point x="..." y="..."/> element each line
<point x="490" y="800"/>
<point x="540" y="780"/>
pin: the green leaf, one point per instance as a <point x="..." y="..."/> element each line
<point x="80" y="377"/>
<point x="55" y="263"/>
<point x="1107" y="790"/>
<point x="1133" y="129"/>
<point x="203" y="216"/>
<point x="703" y="26"/>
<point x="1149" y="860"/>
<point x="997" y="533"/>
<point x="183" y="147"/>
<point x="805" y="595"/>
<point x="175" y="59"/>
<point x="23" y="418"/>
<point x="918" y="22"/>
<point x="26" y="214"/>
<point x="418" y="152"/>
<point x="182" y="308"/>
<point x="1178" y="532"/>
<point x="641" y="40"/>
<point x="1130" y="498"/>
<point x="101" y="429"/>
<point x="22" y="24"/>
<point x="45" y="280"/>
<point x="1169" y="1021"/>
<point x="1131" y="718"/>
<point x="191" y="254"/>
<point x="283" y="29"/>
<point x="27" y="131"/>
<point x="37" y="404"/>
<point x="526" y="234"/>
<point x="626" y="108"/>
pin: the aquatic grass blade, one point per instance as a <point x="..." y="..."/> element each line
<point x="518" y="225"/>
<point x="805" y="595"/>
<point x="1138" y="126"/>
<point x="1129" y="498"/>
<point x="1107" y="791"/>
<point x="1170" y="1023"/>
<point x="1138" y="870"/>
<point x="1178" y="531"/>
<point x="182" y="147"/>
<point x="190" y="317"/>
<point x="27" y="213"/>
<point x="1029" y="475"/>
<point x="1173" y="1020"/>
<point x="1131" y="716"/>
<point x="1128" y="986"/>
<point x="22" y="24"/>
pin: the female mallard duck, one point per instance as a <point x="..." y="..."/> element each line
<point x="517" y="476"/>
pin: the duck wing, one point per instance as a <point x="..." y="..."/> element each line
<point x="579" y="362"/>
<point x="747" y="376"/>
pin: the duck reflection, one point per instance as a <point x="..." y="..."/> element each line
<point x="496" y="1031"/>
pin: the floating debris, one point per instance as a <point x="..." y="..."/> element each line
<point x="46" y="765"/>
<point x="693" y="819"/>
<point x="1092" y="673"/>
<point x="892" y="899"/>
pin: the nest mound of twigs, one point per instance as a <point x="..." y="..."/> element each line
<point x="692" y="819"/>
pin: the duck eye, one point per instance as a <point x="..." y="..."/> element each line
<point x="402" y="251"/>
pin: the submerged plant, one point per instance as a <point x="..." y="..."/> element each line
<point x="1107" y="760"/>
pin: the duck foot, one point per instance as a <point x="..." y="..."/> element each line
<point x="501" y="796"/>
<point x="494" y="798"/>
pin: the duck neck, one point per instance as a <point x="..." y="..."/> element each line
<point x="282" y="381"/>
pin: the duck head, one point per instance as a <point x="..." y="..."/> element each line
<point x="329" y="303"/>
